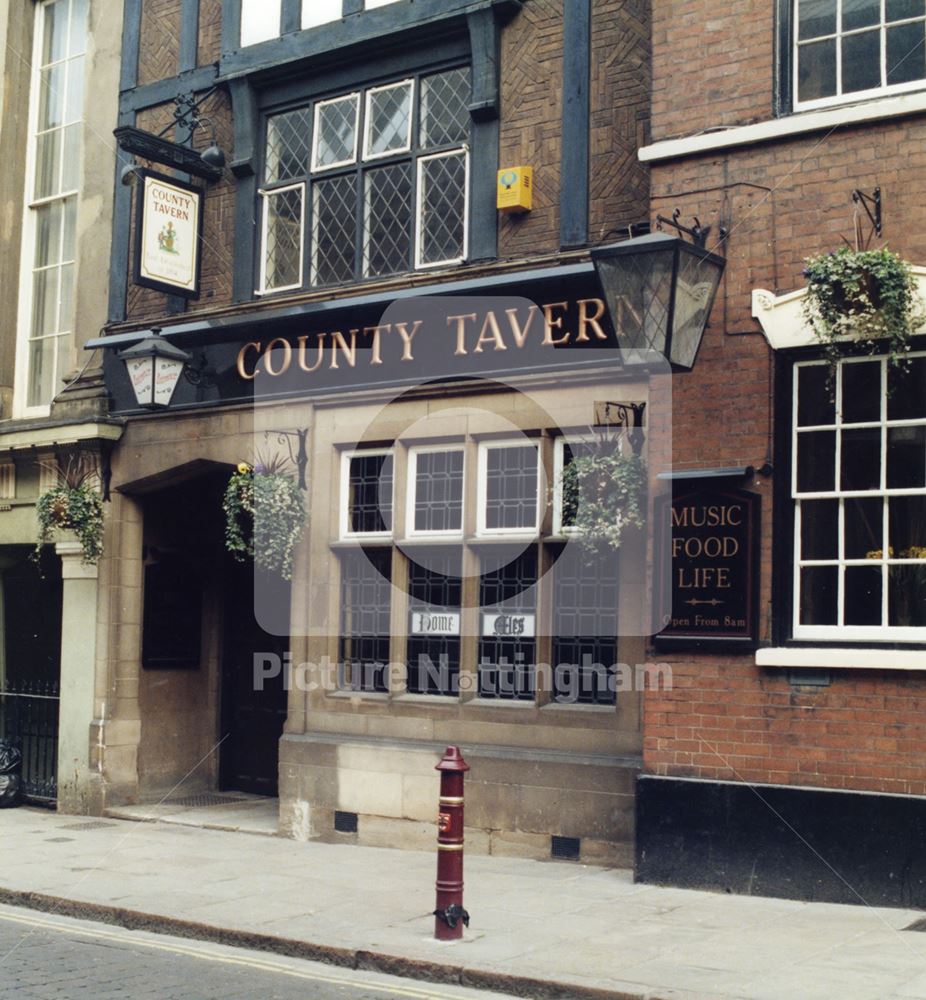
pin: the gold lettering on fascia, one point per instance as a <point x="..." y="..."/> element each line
<point x="491" y="332"/>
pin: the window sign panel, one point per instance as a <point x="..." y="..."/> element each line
<point x="260" y="21"/>
<point x="168" y="231"/>
<point x="859" y="489"/>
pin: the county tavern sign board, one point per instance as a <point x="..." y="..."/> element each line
<point x="167" y="235"/>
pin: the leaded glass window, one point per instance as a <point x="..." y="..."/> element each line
<point x="585" y="592"/>
<point x="434" y="592"/>
<point x="366" y="596"/>
<point x="283" y="217"/>
<point x="509" y="487"/>
<point x="436" y="491"/>
<point x="845" y="48"/>
<point x="507" y="644"/>
<point x="386" y="173"/>
<point x="859" y="488"/>
<point x="368" y="481"/>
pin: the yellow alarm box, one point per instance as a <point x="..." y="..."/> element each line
<point x="515" y="189"/>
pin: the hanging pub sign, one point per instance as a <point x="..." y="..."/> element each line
<point x="711" y="532"/>
<point x="167" y="235"/>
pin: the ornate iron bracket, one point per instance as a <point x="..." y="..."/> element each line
<point x="872" y="205"/>
<point x="174" y="154"/>
<point x="623" y="417"/>
<point x="452" y="914"/>
<point x="295" y="442"/>
<point x="697" y="232"/>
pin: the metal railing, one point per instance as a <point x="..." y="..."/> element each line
<point x="29" y="714"/>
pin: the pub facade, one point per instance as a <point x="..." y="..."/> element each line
<point x="354" y="241"/>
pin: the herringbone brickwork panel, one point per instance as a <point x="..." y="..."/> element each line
<point x="210" y="32"/>
<point x="159" y="53"/>
<point x="531" y="122"/>
<point x="619" y="124"/>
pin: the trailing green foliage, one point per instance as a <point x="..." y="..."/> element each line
<point x="264" y="517"/>
<point x="867" y="296"/>
<point x="78" y="509"/>
<point x="604" y="492"/>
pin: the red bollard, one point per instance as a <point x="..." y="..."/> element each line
<point x="450" y="917"/>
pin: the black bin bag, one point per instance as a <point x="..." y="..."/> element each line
<point x="11" y="781"/>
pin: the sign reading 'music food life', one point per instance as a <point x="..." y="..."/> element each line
<point x="168" y="230"/>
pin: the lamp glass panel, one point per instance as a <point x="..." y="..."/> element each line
<point x="166" y="375"/>
<point x="698" y="279"/>
<point x="638" y="289"/>
<point x="141" y="375"/>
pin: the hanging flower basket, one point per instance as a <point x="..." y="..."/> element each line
<point x="865" y="296"/>
<point x="77" y="508"/>
<point x="264" y="517"/>
<point x="604" y="493"/>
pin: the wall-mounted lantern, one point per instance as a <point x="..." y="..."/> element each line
<point x="659" y="290"/>
<point x="154" y="366"/>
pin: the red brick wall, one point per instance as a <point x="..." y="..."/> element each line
<point x="725" y="718"/>
<point x="712" y="64"/>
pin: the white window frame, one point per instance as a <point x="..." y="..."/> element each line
<point x="354" y="96"/>
<point x="344" y="513"/>
<point x="847" y="633"/>
<point x="265" y="195"/>
<point x="373" y="4"/>
<point x="409" y="84"/>
<point x="484" y="448"/>
<point x="22" y="369"/>
<point x="419" y="204"/>
<point x="260" y="36"/>
<point x="856" y="95"/>
<point x="411" y="493"/>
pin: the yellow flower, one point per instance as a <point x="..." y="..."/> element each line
<point x="243" y="467"/>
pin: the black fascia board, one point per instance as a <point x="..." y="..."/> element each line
<point x="367" y="29"/>
<point x="200" y="331"/>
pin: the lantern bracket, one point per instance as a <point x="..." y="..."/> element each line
<point x="622" y="417"/>
<point x="872" y="205"/>
<point x="697" y="232"/>
<point x="295" y="442"/>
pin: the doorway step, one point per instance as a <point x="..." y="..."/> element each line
<point x="236" y="811"/>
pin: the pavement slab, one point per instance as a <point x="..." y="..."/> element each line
<point x="544" y="929"/>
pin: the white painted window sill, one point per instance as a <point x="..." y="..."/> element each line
<point x="785" y="127"/>
<point x="828" y="657"/>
